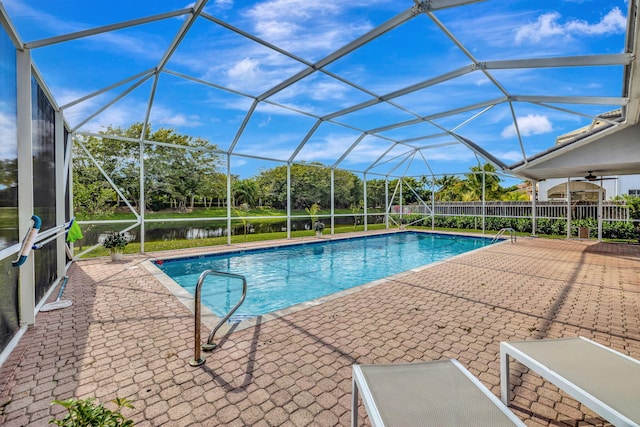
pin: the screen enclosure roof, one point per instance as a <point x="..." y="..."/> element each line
<point x="539" y="89"/>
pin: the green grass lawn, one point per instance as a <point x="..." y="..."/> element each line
<point x="220" y="213"/>
<point x="167" y="245"/>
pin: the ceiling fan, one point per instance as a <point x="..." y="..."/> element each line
<point x="591" y="177"/>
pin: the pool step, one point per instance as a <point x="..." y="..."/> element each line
<point x="237" y="318"/>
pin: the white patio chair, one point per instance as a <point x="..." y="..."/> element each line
<point x="439" y="393"/>
<point x="606" y="381"/>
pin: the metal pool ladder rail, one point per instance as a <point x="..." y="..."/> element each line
<point x="210" y="345"/>
<point x="512" y="234"/>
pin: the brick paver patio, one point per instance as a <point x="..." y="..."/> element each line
<point x="125" y="335"/>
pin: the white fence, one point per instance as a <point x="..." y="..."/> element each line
<point x="555" y="210"/>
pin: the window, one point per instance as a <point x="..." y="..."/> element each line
<point x="9" y="314"/>
<point x="44" y="184"/>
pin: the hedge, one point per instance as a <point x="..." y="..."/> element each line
<point x="610" y="229"/>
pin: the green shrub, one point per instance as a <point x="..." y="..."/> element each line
<point x="619" y="230"/>
<point x="544" y="226"/>
<point x="86" y="412"/>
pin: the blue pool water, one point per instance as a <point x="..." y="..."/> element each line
<point x="284" y="276"/>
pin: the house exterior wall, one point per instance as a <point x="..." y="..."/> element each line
<point x="623" y="185"/>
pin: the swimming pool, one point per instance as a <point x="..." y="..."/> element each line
<point x="284" y="276"/>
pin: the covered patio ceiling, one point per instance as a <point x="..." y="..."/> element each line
<point x="382" y="87"/>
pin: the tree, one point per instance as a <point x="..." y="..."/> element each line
<point x="633" y="202"/>
<point x="310" y="183"/>
<point x="450" y="187"/>
<point x="244" y="191"/>
<point x="94" y="198"/>
<point x="272" y="184"/>
<point x="514" y="196"/>
<point x="174" y="176"/>
<point x="120" y="161"/>
<point x="376" y="193"/>
<point x="8" y="173"/>
<point x="348" y="189"/>
<point x="419" y="191"/>
<point x="472" y="187"/>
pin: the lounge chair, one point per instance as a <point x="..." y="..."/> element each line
<point x="439" y="393"/>
<point x="606" y="381"/>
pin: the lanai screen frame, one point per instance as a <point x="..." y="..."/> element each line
<point x="413" y="147"/>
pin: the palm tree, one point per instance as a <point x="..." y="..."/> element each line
<point x="473" y="184"/>
<point x="449" y="186"/>
<point x="244" y="191"/>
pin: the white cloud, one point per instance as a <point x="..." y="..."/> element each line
<point x="79" y="112"/>
<point x="8" y="136"/>
<point x="121" y="114"/>
<point x="333" y="147"/>
<point x="39" y="18"/>
<point x="117" y="116"/>
<point x="546" y="26"/>
<point x="457" y="153"/>
<point x="224" y="4"/>
<point x="243" y="71"/>
<point x="514" y="156"/>
<point x="248" y="74"/>
<point x="146" y="47"/>
<point x="308" y="28"/>
<point x="549" y="26"/>
<point x="293" y="9"/>
<point x="165" y="117"/>
<point x="133" y="46"/>
<point x="326" y="149"/>
<point x="482" y="81"/>
<point x="237" y="162"/>
<point x="327" y="90"/>
<point x="330" y="95"/>
<point x="265" y="122"/>
<point x="531" y="124"/>
<point x="612" y="23"/>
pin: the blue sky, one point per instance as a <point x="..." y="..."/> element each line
<point x="310" y="30"/>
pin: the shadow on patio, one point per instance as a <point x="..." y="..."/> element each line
<point x="126" y="336"/>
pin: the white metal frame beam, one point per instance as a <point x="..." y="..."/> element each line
<point x="25" y="183"/>
<point x="105" y="29"/>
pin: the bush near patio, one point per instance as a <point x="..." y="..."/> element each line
<point x="616" y="230"/>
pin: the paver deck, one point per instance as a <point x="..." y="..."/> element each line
<point x="125" y="335"/>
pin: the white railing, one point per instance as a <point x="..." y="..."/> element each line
<point x="554" y="210"/>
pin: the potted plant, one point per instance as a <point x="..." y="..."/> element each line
<point x="115" y="242"/>
<point x="315" y="222"/>
<point x="318" y="227"/>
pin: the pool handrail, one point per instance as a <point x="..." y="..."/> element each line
<point x="512" y="234"/>
<point x="210" y="345"/>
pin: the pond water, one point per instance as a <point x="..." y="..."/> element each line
<point x="191" y="230"/>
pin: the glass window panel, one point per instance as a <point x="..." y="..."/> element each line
<point x="44" y="184"/>
<point x="9" y="313"/>
<point x="44" y="175"/>
<point x="9" y="145"/>
<point x="45" y="268"/>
